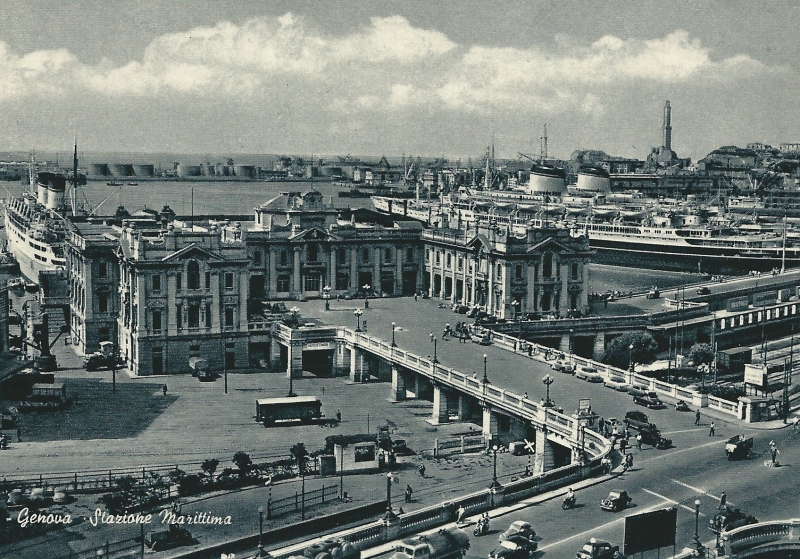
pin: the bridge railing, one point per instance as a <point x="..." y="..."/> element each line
<point x="757" y="534"/>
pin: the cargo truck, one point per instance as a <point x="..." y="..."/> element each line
<point x="447" y="543"/>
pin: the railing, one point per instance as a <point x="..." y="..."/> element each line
<point x="722" y="405"/>
<point x="298" y="501"/>
<point x="756" y="534"/>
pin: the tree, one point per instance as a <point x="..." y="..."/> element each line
<point x="209" y="466"/>
<point x="243" y="462"/>
<point x="619" y="353"/>
<point x="299" y="453"/>
<point x="701" y="354"/>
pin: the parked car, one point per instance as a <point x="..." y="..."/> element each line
<point x="730" y="518"/>
<point x="598" y="549"/>
<point x="461" y="309"/>
<point x="648" y="399"/>
<point x="519" y="528"/>
<point x="703" y="291"/>
<point x="175" y="536"/>
<point x="515" y="547"/>
<point x="563" y="366"/>
<point x="589" y="374"/>
<point x="617" y="383"/>
<point x="616" y="501"/>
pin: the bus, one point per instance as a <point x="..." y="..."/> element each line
<point x="303" y="409"/>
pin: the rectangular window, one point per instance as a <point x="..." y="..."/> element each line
<point x="284" y="258"/>
<point x="409" y="255"/>
<point x="179" y="316"/>
<point x="156" y="321"/>
<point x="283" y="284"/>
<point x="365" y="255"/>
<point x="228" y="280"/>
<point x="387" y="255"/>
<point x="208" y="315"/>
<point x="179" y="281"/>
<point x="499" y="272"/>
<point x="208" y="280"/>
<point x="156" y="284"/>
<point x="257" y="257"/>
<point x="228" y="316"/>
<point x="102" y="270"/>
<point x="427" y="255"/>
<point x="230" y="345"/>
<point x="194" y="315"/>
<point x="460" y="263"/>
<point x="342" y="256"/>
<point x="518" y="272"/>
<point x="102" y="302"/>
<point x="438" y="258"/>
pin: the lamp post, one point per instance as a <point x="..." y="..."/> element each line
<point x="260" y="532"/>
<point x="326" y="294"/>
<point x="294" y="311"/>
<point x="630" y="358"/>
<point x="366" y="295"/>
<point x="548" y="380"/>
<point x="358" y="313"/>
<point x="394" y="325"/>
<point x="435" y="358"/>
<point x="697" y="543"/>
<point x="495" y="484"/>
<point x="571" y="342"/>
<point x="390" y="515"/>
<point x="485" y="376"/>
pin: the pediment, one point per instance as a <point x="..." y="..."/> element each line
<point x="316" y="234"/>
<point x="193" y="251"/>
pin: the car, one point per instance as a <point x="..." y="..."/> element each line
<point x="519" y="528"/>
<point x="589" y="374"/>
<point x="60" y="496"/>
<point x="703" y="291"/>
<point x="515" y="547"/>
<point x="617" y="383"/>
<point x="648" y="399"/>
<point x="730" y="518"/>
<point x="598" y="549"/>
<point x="461" y="309"/>
<point x="680" y="405"/>
<point x="616" y="501"/>
<point x="563" y="366"/>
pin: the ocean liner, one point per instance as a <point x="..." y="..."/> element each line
<point x="36" y="222"/>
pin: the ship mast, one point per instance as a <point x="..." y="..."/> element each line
<point x="75" y="178"/>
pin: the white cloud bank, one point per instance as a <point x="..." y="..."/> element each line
<point x="388" y="65"/>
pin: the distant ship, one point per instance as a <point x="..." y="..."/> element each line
<point x="36" y="223"/>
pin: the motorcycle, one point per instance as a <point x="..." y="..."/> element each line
<point x="569" y="503"/>
<point x="481" y="529"/>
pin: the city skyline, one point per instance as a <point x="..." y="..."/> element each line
<point x="394" y="78"/>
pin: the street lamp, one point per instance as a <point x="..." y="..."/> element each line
<point x="366" y="295"/>
<point x="630" y="358"/>
<point x="358" y="313"/>
<point x="294" y="310"/>
<point x="326" y="294"/>
<point x="485" y="376"/>
<point x="393" y="327"/>
<point x="260" y="532"/>
<point x="390" y="515"/>
<point x="495" y="484"/>
<point x="435" y="358"/>
<point x="697" y="543"/>
<point x="548" y="380"/>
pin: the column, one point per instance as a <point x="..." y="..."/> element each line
<point x="376" y="269"/>
<point x="216" y="305"/>
<point x="294" y="360"/>
<point x="398" y="273"/>
<point x="430" y="285"/>
<point x="243" y="297"/>
<point x="359" y="366"/>
<point x="172" y="323"/>
<point x="141" y="305"/>
<point x="453" y="267"/>
<point x="599" y="346"/>
<point x="398" y="393"/>
<point x="332" y="269"/>
<point x="274" y="355"/>
<point x="354" y="269"/>
<point x="273" y="274"/>
<point x="440" y="414"/>
<point x="490" y="287"/>
<point x="563" y="269"/>
<point x="531" y="296"/>
<point x="490" y="430"/>
<point x="463" y="407"/>
<point x="544" y="460"/>
<point x="296" y="286"/>
<point x="584" y="289"/>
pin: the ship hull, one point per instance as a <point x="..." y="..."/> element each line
<point x="21" y="246"/>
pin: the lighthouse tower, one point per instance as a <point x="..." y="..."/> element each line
<point x="667" y="128"/>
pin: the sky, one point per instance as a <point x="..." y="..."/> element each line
<point x="406" y="77"/>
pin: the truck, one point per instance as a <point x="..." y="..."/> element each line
<point x="637" y="421"/>
<point x="46" y="397"/>
<point x="201" y="370"/>
<point x="328" y="548"/>
<point x="303" y="409"/>
<point x="447" y="543"/>
<point x="105" y="358"/>
<point x="174" y="536"/>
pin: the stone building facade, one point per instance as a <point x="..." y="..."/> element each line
<point x="542" y="272"/>
<point x="183" y="293"/>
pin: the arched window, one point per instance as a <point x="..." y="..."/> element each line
<point x="547" y="265"/>
<point x="193" y="275"/>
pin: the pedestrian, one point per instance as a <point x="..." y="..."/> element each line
<point x="622" y="444"/>
<point x="775" y="453"/>
<point x="711" y="430"/>
<point x="601" y="424"/>
<point x="338" y="297"/>
<point x="415" y="298"/>
<point x="639" y="441"/>
<point x="164" y="389"/>
<point x="409" y="493"/>
<point x="515" y="346"/>
<point x="525" y="396"/>
<point x="530" y="350"/>
<point x="697" y="418"/>
<point x="629" y="461"/>
<point x="338" y="415"/>
<point x="723" y="499"/>
<point x="460" y="514"/>
<point x="327" y="305"/>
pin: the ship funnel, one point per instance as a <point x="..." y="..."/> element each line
<point x="54" y="187"/>
<point x="41" y="190"/>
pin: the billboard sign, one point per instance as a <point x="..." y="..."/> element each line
<point x="650" y="530"/>
<point x="755" y="375"/>
<point x="737" y="304"/>
<point x="584" y="406"/>
<point x="765" y="298"/>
